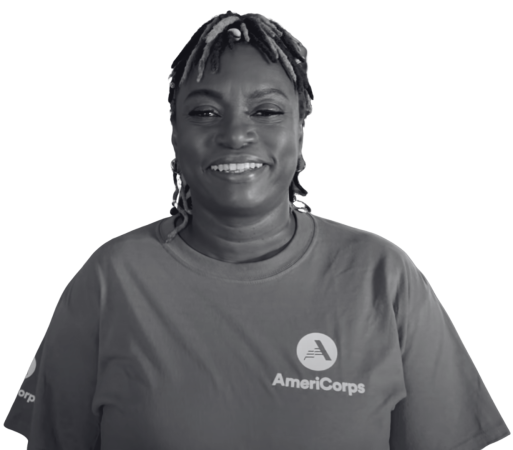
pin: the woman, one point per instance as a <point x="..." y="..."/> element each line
<point x="243" y="321"/>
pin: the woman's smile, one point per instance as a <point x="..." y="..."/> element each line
<point x="247" y="175"/>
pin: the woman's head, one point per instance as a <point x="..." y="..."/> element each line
<point x="239" y="93"/>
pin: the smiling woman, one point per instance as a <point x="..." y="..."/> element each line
<point x="249" y="108"/>
<point x="242" y="321"/>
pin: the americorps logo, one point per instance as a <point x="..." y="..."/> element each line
<point x="318" y="352"/>
<point x="32" y="368"/>
<point x="31" y="398"/>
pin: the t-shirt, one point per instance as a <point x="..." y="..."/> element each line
<point x="337" y="342"/>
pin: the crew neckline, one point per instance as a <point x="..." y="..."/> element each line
<point x="243" y="272"/>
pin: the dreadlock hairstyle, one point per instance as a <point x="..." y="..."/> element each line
<point x="206" y="46"/>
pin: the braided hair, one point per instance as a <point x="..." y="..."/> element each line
<point x="205" y="48"/>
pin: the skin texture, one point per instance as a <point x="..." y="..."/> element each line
<point x="236" y="221"/>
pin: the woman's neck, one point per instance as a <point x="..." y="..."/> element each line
<point x="239" y="239"/>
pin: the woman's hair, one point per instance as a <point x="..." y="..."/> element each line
<point x="206" y="46"/>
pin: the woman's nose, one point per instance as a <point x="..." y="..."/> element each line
<point x="236" y="133"/>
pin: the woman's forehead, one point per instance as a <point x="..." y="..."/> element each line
<point x="243" y="69"/>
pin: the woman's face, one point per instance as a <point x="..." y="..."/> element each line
<point x="247" y="112"/>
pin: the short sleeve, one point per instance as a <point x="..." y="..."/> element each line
<point x="54" y="405"/>
<point x="447" y="405"/>
<point x="19" y="417"/>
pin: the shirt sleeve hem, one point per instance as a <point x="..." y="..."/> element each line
<point x="485" y="438"/>
<point x="18" y="428"/>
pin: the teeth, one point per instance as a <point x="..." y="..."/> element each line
<point x="236" y="167"/>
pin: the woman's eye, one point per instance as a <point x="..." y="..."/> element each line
<point x="267" y="111"/>
<point x="197" y="113"/>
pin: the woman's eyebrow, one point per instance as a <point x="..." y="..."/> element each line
<point x="254" y="95"/>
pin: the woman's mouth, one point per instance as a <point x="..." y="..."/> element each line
<point x="245" y="173"/>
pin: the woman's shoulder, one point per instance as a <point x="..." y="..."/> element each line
<point x="357" y="243"/>
<point x="128" y="243"/>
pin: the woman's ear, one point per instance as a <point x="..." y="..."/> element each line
<point x="301" y="128"/>
<point x="174" y="139"/>
<point x="174" y="132"/>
